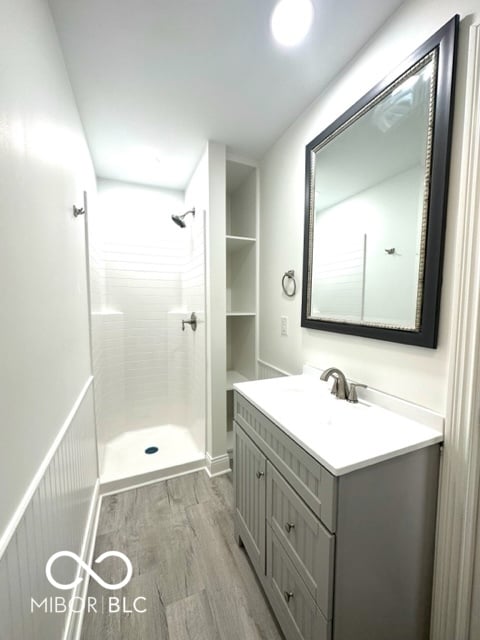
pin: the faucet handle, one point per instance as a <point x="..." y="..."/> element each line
<point x="352" y="396"/>
<point x="334" y="389"/>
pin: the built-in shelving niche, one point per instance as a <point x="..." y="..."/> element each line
<point x="241" y="277"/>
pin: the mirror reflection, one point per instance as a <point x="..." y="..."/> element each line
<point x="368" y="208"/>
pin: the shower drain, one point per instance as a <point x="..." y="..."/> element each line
<point x="150" y="450"/>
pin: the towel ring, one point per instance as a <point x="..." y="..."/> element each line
<point x="290" y="277"/>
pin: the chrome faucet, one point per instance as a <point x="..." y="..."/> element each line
<point x="340" y="385"/>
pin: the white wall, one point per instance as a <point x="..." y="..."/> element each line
<point x="206" y="192"/>
<point x="44" y="168"/>
<point x="48" y="461"/>
<point x="417" y="374"/>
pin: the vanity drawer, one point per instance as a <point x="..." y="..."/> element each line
<point x="308" y="544"/>
<point x="299" y="616"/>
<point x="315" y="485"/>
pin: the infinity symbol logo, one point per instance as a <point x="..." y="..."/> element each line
<point x="91" y="573"/>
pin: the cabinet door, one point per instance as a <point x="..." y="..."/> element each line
<point x="306" y="541"/>
<point x="297" y="613"/>
<point x="249" y="469"/>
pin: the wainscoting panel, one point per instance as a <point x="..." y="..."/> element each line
<point x="54" y="519"/>
<point x="266" y="371"/>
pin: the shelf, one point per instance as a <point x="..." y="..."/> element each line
<point x="240" y="239"/>
<point x="240" y="314"/>
<point x="234" y="376"/>
<point x="236" y="243"/>
<point x="237" y="172"/>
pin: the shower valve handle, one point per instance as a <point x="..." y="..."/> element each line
<point x="192" y="322"/>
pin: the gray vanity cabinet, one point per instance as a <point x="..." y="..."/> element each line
<point x="339" y="558"/>
<point x="306" y="541"/>
<point x="250" y="497"/>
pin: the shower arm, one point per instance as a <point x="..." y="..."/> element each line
<point x="179" y="220"/>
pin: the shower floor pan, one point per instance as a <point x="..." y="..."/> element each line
<point x="126" y="464"/>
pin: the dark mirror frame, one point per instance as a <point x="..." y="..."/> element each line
<point x="445" y="41"/>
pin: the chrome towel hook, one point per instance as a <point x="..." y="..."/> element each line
<point x="287" y="280"/>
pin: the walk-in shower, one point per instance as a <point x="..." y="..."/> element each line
<point x="147" y="279"/>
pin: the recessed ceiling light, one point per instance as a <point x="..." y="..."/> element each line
<point x="291" y="21"/>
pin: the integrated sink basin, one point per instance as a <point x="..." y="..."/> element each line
<point x="342" y="436"/>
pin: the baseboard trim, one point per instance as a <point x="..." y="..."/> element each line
<point x="73" y="626"/>
<point x="217" y="466"/>
<point x="134" y="482"/>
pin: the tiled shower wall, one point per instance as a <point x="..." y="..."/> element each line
<point x="147" y="371"/>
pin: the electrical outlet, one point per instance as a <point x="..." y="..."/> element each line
<point x="283" y="326"/>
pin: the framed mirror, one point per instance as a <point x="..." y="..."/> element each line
<point x="375" y="204"/>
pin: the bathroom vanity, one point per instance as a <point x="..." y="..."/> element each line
<point x="335" y="505"/>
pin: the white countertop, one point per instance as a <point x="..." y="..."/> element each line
<point x="342" y="436"/>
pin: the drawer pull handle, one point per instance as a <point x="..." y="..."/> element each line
<point x="260" y="474"/>
<point x="288" y="595"/>
<point x="289" y="526"/>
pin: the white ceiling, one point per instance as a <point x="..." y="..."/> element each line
<point x="155" y="79"/>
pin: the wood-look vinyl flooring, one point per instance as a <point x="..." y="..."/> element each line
<point x="197" y="582"/>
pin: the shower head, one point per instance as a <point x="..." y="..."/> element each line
<point x="179" y="219"/>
